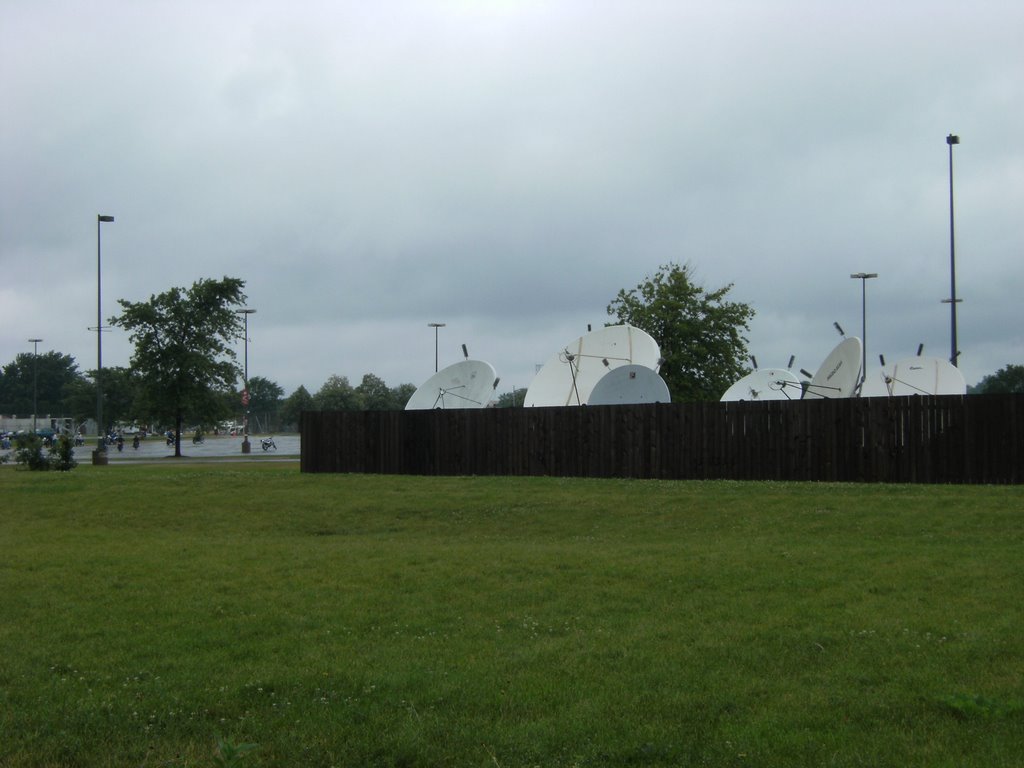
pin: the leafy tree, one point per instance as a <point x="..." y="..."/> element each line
<point x="120" y="396"/>
<point x="265" y="398"/>
<point x="264" y="395"/>
<point x="1008" y="380"/>
<point x="514" y="399"/>
<point x="183" y="352"/>
<point x="337" y="395"/>
<point x="699" y="331"/>
<point x="298" y="401"/>
<point x="374" y="394"/>
<point x="45" y="377"/>
<point x="401" y="395"/>
<point x="80" y="398"/>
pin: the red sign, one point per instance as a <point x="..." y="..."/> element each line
<point x="245" y="397"/>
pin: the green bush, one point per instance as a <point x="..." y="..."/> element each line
<point x="60" y="456"/>
<point x="28" y="452"/>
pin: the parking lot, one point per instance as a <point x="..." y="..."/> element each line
<point x="220" y="446"/>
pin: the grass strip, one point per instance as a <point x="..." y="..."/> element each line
<point x="353" y="620"/>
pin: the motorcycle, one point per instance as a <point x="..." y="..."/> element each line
<point x="267" y="443"/>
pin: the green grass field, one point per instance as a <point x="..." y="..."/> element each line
<point x="341" y="620"/>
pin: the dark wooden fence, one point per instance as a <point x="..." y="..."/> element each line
<point x="947" y="439"/>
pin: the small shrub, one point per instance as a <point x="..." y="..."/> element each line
<point x="60" y="456"/>
<point x="28" y="452"/>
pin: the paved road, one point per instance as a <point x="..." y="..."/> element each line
<point x="155" y="446"/>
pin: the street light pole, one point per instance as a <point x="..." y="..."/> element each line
<point x="435" y="326"/>
<point x="954" y="352"/>
<point x="35" y="380"/>
<point x="99" y="456"/>
<point x="863" y="277"/>
<point x="246" y="447"/>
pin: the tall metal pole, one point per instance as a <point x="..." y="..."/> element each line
<point x="435" y="326"/>
<point x="99" y="456"/>
<point x="246" y="447"/>
<point x="35" y="380"/>
<point x="954" y="351"/>
<point x="863" y="277"/>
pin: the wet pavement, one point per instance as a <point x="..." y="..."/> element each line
<point x="219" y="447"/>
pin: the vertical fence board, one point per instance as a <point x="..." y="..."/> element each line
<point x="921" y="439"/>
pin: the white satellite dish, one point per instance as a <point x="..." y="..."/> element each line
<point x="924" y="376"/>
<point x="765" y="384"/>
<point x="837" y="376"/>
<point x="569" y="376"/>
<point x="467" y="384"/>
<point x="630" y="385"/>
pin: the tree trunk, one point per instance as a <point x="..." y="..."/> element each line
<point x="177" y="435"/>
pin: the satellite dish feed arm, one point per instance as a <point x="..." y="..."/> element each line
<point x="457" y="395"/>
<point x="894" y="380"/>
<point x="823" y="386"/>
<point x="603" y="357"/>
<point x="572" y="359"/>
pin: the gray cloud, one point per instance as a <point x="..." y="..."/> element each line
<point x="507" y="168"/>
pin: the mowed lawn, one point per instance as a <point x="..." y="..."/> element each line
<point x="350" y="620"/>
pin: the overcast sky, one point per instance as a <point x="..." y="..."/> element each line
<point x="506" y="167"/>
